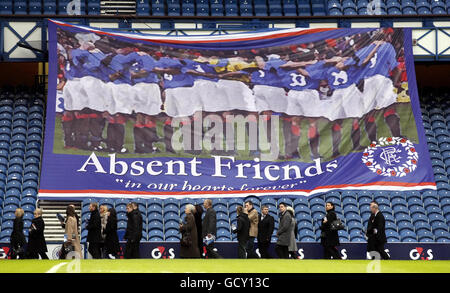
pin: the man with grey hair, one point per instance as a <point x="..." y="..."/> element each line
<point x="284" y="232"/>
<point x="376" y="231"/>
<point x="188" y="230"/>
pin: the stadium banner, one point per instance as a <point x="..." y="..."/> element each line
<point x="292" y="111"/>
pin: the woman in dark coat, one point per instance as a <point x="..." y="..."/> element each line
<point x="329" y="238"/>
<point x="112" y="246"/>
<point x="36" y="240"/>
<point x="198" y="223"/>
<point x="242" y="230"/>
<point x="18" y="240"/>
<point x="188" y="229"/>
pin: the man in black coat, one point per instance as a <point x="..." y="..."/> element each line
<point x="266" y="225"/>
<point x="376" y="231"/>
<point x="133" y="234"/>
<point x="209" y="227"/>
<point x="94" y="227"/>
<point x="284" y="232"/>
<point x="242" y="230"/>
<point x="36" y="240"/>
<point x="198" y="223"/>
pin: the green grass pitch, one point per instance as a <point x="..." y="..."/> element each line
<point x="223" y="266"/>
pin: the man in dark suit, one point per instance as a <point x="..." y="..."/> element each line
<point x="376" y="231"/>
<point x="133" y="233"/>
<point x="266" y="225"/>
<point x="209" y="227"/>
<point x="94" y="227"/>
<point x="284" y="232"/>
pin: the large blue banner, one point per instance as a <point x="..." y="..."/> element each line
<point x="297" y="111"/>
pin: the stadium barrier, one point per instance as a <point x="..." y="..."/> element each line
<point x="170" y="250"/>
<point x="397" y="251"/>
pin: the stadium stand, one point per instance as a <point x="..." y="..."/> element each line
<point x="21" y="125"/>
<point x="411" y="216"/>
<point x="232" y="8"/>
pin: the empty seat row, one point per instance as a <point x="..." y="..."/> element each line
<point x="202" y="8"/>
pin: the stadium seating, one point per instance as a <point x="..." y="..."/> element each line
<point x="411" y="216"/>
<point x="21" y="120"/>
<point x="202" y="8"/>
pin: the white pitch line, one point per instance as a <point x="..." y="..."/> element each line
<point x="55" y="268"/>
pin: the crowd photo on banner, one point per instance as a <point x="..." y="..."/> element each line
<point x="118" y="96"/>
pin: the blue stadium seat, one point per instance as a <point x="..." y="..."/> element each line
<point x="143" y="7"/>
<point x="346" y="201"/>
<point x="317" y="208"/>
<point x="349" y="7"/>
<point x="155" y="225"/>
<point x="422" y="235"/>
<point x="355" y="226"/>
<point x="304" y="8"/>
<point x="301" y="200"/>
<point x="408" y="236"/>
<point x="187" y="8"/>
<point x="334" y="4"/>
<point x="442" y="235"/>
<point x="302" y="209"/>
<point x="171" y="202"/>
<point x="306" y="233"/>
<point x="220" y="202"/>
<point x="5" y="235"/>
<point x="438" y="226"/>
<point x="155" y="202"/>
<point x="438" y="7"/>
<point x="317" y="201"/>
<point x="93" y="7"/>
<point x="20" y="7"/>
<point x="202" y="10"/>
<point x="11" y="201"/>
<point x="217" y="8"/>
<point x="303" y="216"/>
<point x="423" y="7"/>
<point x="6" y="7"/>
<point x="275" y="8"/>
<point x="172" y="236"/>
<point x="155" y="235"/>
<point x="392" y="236"/>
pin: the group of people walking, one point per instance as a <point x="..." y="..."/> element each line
<point x="250" y="226"/>
<point x="102" y="238"/>
<point x="197" y="233"/>
<point x="36" y="242"/>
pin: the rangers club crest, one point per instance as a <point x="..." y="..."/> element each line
<point x="391" y="156"/>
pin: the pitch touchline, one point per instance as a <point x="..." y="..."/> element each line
<point x="55" y="268"/>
